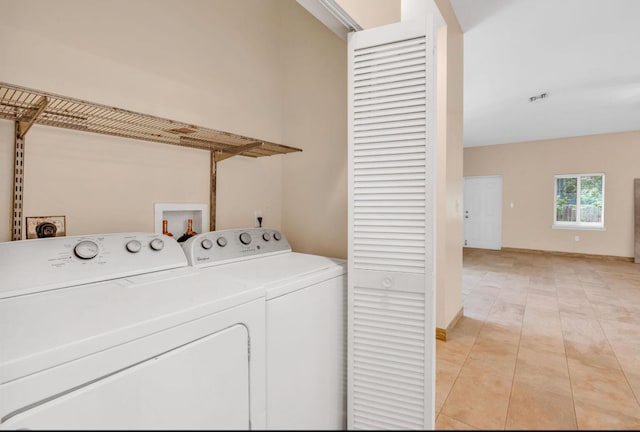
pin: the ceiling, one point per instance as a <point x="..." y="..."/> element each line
<point x="585" y="54"/>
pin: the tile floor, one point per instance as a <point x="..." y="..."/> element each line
<point x="546" y="342"/>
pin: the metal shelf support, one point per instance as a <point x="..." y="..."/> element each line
<point x="212" y="191"/>
<point x="18" y="182"/>
<point x="30" y="116"/>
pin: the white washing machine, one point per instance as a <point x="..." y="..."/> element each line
<point x="118" y="332"/>
<point x="305" y="321"/>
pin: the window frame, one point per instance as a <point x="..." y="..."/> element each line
<point x="598" y="226"/>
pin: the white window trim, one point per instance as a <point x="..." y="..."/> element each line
<point x="574" y="226"/>
<point x="589" y="226"/>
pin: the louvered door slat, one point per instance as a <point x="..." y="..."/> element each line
<point x="386" y="109"/>
<point x="418" y="121"/>
<point x="367" y="54"/>
<point x="391" y="326"/>
<point x="413" y="76"/>
<point x="384" y="115"/>
<point x="358" y="242"/>
<point x="373" y="369"/>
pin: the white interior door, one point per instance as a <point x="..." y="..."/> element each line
<point x="483" y="212"/>
<point x="391" y="310"/>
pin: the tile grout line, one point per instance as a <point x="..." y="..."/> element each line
<point x="566" y="356"/>
<point x="504" y="426"/>
<point x="513" y="378"/>
<point x="615" y="353"/>
<point x="598" y="319"/>
<point x="586" y="278"/>
<point x="624" y="373"/>
<point x="484" y="321"/>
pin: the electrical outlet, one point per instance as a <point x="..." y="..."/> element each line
<point x="257" y="222"/>
<point x="577" y="238"/>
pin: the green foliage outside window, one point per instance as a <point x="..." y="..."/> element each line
<point x="584" y="198"/>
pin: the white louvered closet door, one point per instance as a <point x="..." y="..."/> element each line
<point x="391" y="326"/>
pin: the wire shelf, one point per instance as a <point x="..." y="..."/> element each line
<point x="22" y="104"/>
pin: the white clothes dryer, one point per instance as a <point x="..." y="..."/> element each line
<point x="116" y="331"/>
<point x="305" y="321"/>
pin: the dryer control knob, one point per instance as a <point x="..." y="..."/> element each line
<point x="86" y="249"/>
<point x="245" y="238"/>
<point x="277" y="236"/>
<point x="222" y="242"/>
<point x="266" y="236"/>
<point x="156" y="244"/>
<point x="206" y="244"/>
<point x="133" y="246"/>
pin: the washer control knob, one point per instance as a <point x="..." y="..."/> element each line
<point x="134" y="246"/>
<point x="245" y="238"/>
<point x="266" y="236"/>
<point x="206" y="244"/>
<point x="222" y="242"/>
<point x="156" y="244"/>
<point x="86" y="249"/>
<point x="277" y="236"/>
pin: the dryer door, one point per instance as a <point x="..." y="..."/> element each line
<point x="202" y="384"/>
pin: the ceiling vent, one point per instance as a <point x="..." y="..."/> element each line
<point x="540" y="96"/>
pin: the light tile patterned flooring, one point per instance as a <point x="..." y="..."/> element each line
<point x="546" y="342"/>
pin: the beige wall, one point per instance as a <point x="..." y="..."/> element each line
<point x="314" y="68"/>
<point x="528" y="171"/>
<point x="372" y="13"/>
<point x="449" y="156"/>
<point x="165" y="58"/>
<point x="216" y="64"/>
<point x="449" y="180"/>
<point x="101" y="184"/>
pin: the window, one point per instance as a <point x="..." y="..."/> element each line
<point x="579" y="201"/>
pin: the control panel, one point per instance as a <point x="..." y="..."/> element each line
<point x="29" y="266"/>
<point x="224" y="246"/>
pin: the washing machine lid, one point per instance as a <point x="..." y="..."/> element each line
<point x="42" y="330"/>
<point x="283" y="273"/>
